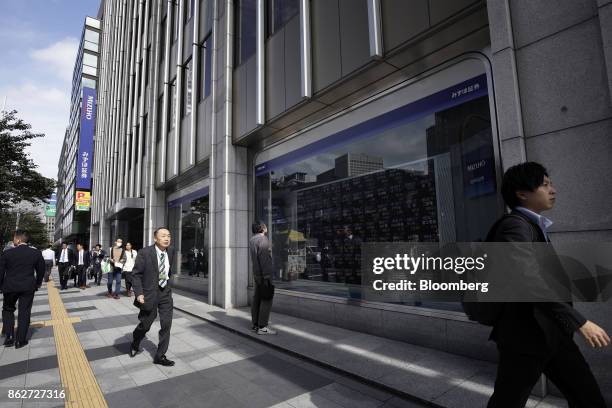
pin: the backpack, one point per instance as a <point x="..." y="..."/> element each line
<point x="487" y="313"/>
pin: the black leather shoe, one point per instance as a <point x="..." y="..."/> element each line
<point x="9" y="342"/>
<point x="20" y="344"/>
<point x="133" y="350"/>
<point x="163" y="361"/>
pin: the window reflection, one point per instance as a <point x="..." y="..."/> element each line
<point x="412" y="182"/>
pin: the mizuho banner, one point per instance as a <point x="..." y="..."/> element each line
<point x="88" y="120"/>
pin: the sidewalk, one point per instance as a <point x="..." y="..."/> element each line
<point x="429" y="376"/>
<point x="214" y="367"/>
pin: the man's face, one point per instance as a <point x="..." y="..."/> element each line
<point x="64" y="246"/>
<point x="98" y="247"/>
<point x="163" y="238"/>
<point x="541" y="199"/>
<point x="79" y="247"/>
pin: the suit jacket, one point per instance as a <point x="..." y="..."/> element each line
<point x="145" y="276"/>
<point x="71" y="258"/>
<point x="17" y="268"/>
<point x="86" y="258"/>
<point x="261" y="255"/>
<point x="532" y="328"/>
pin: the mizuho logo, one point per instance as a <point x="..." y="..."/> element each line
<point x="89" y="107"/>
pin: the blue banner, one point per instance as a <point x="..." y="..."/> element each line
<point x="88" y="122"/>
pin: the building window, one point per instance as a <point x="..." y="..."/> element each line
<point x="280" y="12"/>
<point x="188" y="88"/>
<point x="162" y="42"/>
<point x="190" y="4"/>
<point x="206" y="67"/>
<point x="247" y="29"/>
<point x="175" y="24"/>
<point x="400" y="180"/>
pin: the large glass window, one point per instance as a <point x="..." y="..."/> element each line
<point x="280" y="12"/>
<point x="190" y="218"/>
<point x="206" y="67"/>
<point x="403" y="176"/>
<point x="247" y="29"/>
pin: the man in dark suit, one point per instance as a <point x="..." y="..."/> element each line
<point x="65" y="261"/>
<point x="536" y="338"/>
<point x="261" y="256"/>
<point x="18" y="284"/>
<point x="152" y="281"/>
<point x="83" y="260"/>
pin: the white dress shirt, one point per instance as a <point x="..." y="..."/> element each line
<point x="81" y="253"/>
<point x="64" y="257"/>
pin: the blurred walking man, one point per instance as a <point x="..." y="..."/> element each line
<point x="49" y="257"/>
<point x="22" y="270"/>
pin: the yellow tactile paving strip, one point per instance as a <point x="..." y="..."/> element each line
<point x="82" y="389"/>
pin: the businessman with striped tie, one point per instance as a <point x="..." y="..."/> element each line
<point x="151" y="280"/>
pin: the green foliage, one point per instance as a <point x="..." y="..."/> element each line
<point x="29" y="221"/>
<point x="19" y="180"/>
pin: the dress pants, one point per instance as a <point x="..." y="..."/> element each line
<point x="24" y="309"/>
<point x="64" y="274"/>
<point x="518" y="373"/>
<point x="147" y="317"/>
<point x="260" y="308"/>
<point x="82" y="275"/>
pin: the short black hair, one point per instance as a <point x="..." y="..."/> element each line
<point x="49" y="246"/>
<point x="98" y="245"/>
<point x="22" y="235"/>
<point x="258" y="227"/>
<point x="526" y="176"/>
<point x="160" y="228"/>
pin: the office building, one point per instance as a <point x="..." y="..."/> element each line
<point x="215" y="113"/>
<point x="72" y="219"/>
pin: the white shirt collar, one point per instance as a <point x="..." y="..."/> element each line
<point x="539" y="219"/>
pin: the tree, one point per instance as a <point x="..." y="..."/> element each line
<point x="19" y="179"/>
<point x="28" y="221"/>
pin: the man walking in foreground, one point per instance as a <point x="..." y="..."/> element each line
<point x="261" y="255"/>
<point x="65" y="260"/>
<point x="18" y="283"/>
<point x="151" y="280"/>
<point x="536" y="338"/>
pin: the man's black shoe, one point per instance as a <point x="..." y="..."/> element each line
<point x="9" y="342"/>
<point x="133" y="350"/>
<point x="163" y="361"/>
<point x="20" y="344"/>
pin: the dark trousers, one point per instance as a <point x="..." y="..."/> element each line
<point x="63" y="268"/>
<point x="517" y="374"/>
<point x="147" y="317"/>
<point x="260" y="308"/>
<point x="48" y="267"/>
<point x="24" y="309"/>
<point x="128" y="281"/>
<point x="80" y="278"/>
<point x="98" y="273"/>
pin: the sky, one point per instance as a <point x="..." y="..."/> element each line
<point x="39" y="40"/>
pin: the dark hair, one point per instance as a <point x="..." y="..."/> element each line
<point x="258" y="226"/>
<point x="160" y="228"/>
<point x="22" y="235"/>
<point x="49" y="246"/>
<point x="98" y="245"/>
<point x="522" y="177"/>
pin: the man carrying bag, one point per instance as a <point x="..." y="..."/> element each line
<point x="261" y="255"/>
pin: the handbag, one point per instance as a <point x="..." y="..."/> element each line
<point x="106" y="266"/>
<point x="266" y="292"/>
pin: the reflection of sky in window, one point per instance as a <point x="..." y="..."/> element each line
<point x="403" y="144"/>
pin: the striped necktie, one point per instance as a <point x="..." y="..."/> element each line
<point x="163" y="275"/>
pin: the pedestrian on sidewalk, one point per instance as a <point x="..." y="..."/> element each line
<point x="65" y="261"/>
<point x="22" y="270"/>
<point x="152" y="280"/>
<point x="97" y="255"/>
<point x="261" y="256"/>
<point x="130" y="260"/>
<point x="83" y="262"/>
<point x="537" y="338"/>
<point x="49" y="257"/>
<point x="117" y="259"/>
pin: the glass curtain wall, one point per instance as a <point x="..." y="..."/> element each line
<point x="420" y="174"/>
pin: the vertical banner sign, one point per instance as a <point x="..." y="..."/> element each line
<point x="51" y="207"/>
<point x="88" y="121"/>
